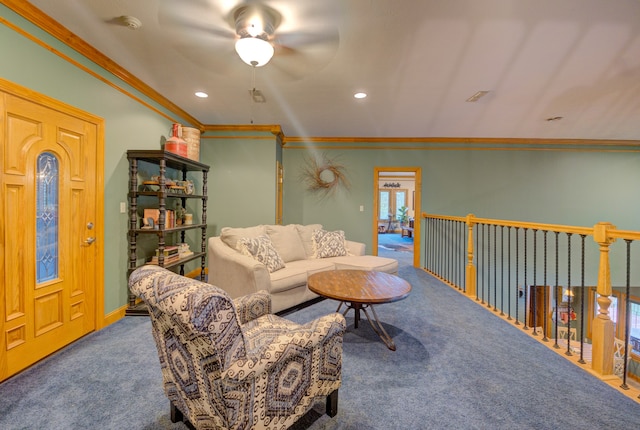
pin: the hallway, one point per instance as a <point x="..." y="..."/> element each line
<point x="397" y="247"/>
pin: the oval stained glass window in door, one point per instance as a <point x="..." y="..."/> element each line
<point x="47" y="226"/>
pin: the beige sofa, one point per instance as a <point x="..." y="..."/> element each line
<point x="279" y="259"/>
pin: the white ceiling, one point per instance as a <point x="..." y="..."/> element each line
<point x="418" y="60"/>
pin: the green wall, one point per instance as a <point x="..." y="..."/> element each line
<point x="541" y="183"/>
<point x="557" y="187"/>
<point x="242" y="180"/>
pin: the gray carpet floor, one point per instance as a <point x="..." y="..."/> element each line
<point x="457" y="366"/>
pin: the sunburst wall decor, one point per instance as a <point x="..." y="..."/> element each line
<point x="323" y="175"/>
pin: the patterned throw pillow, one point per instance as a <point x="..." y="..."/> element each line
<point x="262" y="250"/>
<point x="329" y="243"/>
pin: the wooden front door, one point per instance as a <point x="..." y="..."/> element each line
<point x="49" y="230"/>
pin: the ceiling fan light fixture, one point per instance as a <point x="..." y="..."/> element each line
<point x="254" y="51"/>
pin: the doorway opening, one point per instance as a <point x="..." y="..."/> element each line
<point x="396" y="218"/>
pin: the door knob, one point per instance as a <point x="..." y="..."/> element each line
<point x="89" y="240"/>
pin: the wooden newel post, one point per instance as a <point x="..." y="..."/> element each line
<point x="602" y="331"/>
<point x="471" y="268"/>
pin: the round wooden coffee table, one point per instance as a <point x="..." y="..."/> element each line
<point x="361" y="289"/>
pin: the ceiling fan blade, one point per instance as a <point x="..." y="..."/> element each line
<point x="198" y="15"/>
<point x="198" y="33"/>
<point x="300" y="39"/>
<point x="303" y="54"/>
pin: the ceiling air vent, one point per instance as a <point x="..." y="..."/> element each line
<point x="477" y="96"/>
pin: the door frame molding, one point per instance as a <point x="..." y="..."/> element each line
<point x="417" y="209"/>
<point x="98" y="276"/>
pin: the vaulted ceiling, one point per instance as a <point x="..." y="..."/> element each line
<point x="567" y="69"/>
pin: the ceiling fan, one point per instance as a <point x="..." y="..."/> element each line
<point x="297" y="40"/>
<point x="255" y="25"/>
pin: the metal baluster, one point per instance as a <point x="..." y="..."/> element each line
<point x="546" y="293"/>
<point x="477" y="257"/>
<point x="441" y="245"/>
<point x="449" y="251"/>
<point x="509" y="273"/>
<point x="434" y="245"/>
<point x="428" y="240"/>
<point x="480" y="275"/>
<point x="517" y="271"/>
<point x="460" y="242"/>
<point x="626" y="319"/>
<point x="442" y="252"/>
<point x="534" y="296"/>
<point x="495" y="268"/>
<point x="502" y="270"/>
<point x="456" y="252"/>
<point x="432" y="240"/>
<point x="445" y="269"/>
<point x="441" y="248"/>
<point x="456" y="256"/>
<point x="581" y="360"/>
<point x="484" y="261"/>
<point x="524" y="284"/>
<point x="438" y="248"/>
<point x="488" y="266"/>
<point x="480" y="259"/>
<point x="556" y="295"/>
<point x="428" y="259"/>
<point x="569" y="294"/>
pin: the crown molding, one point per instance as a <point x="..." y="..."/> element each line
<point x="464" y="140"/>
<point x="274" y="129"/>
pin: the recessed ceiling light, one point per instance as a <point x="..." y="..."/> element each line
<point x="202" y="95"/>
<point x="554" y="118"/>
<point x="360" y="95"/>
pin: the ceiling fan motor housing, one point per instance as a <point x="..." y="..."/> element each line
<point x="256" y="21"/>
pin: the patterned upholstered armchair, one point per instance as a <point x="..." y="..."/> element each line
<point x="231" y="364"/>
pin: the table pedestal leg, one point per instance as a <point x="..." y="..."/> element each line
<point x="374" y="322"/>
<point x="382" y="333"/>
<point x="356" y="309"/>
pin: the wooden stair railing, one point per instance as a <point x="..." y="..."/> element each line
<point x="604" y="235"/>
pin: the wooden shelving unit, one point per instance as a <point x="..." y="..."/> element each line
<point x="166" y="164"/>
